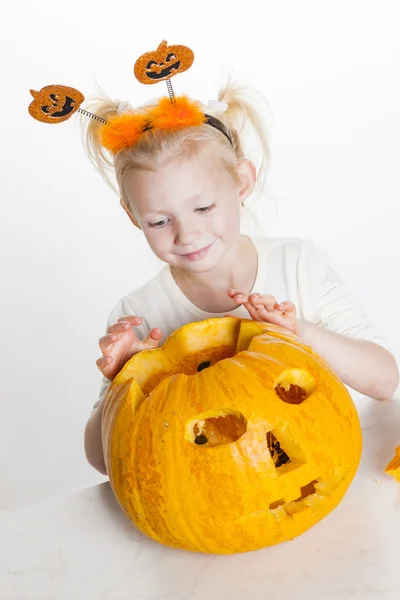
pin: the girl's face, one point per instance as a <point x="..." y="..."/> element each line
<point x="189" y="210"/>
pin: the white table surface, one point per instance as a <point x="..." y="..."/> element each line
<point x="81" y="547"/>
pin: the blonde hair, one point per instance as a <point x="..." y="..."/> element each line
<point x="246" y="113"/>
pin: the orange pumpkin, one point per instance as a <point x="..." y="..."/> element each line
<point x="55" y="103"/>
<point x="231" y="437"/>
<point x="393" y="468"/>
<point x="163" y="63"/>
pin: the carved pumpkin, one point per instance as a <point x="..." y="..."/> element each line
<point x="231" y="437"/>
<point x="393" y="468"/>
<point x="163" y="63"/>
<point x="55" y="103"/>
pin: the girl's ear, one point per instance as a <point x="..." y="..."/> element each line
<point x="247" y="179"/>
<point x="130" y="215"/>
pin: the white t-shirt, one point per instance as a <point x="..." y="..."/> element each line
<point x="288" y="268"/>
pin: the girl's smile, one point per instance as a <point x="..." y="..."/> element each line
<point x="199" y="254"/>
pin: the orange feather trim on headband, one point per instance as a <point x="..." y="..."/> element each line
<point x="122" y="131"/>
<point x="183" y="112"/>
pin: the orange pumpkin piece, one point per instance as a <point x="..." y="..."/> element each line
<point x="393" y="468"/>
<point x="231" y="437"/>
<point x="163" y="63"/>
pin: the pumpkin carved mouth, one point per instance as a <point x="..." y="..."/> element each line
<point x="313" y="495"/>
<point x="152" y="74"/>
<point x="67" y="108"/>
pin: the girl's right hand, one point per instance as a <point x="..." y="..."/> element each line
<point x="121" y="343"/>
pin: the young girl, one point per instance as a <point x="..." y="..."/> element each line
<point x="184" y="189"/>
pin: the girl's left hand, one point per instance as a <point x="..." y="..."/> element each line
<point x="266" y="308"/>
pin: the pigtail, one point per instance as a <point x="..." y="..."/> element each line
<point x="102" y="160"/>
<point x="247" y="112"/>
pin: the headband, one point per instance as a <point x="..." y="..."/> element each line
<point x="57" y="103"/>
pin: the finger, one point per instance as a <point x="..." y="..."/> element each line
<point x="232" y="292"/>
<point x="253" y="312"/>
<point x="152" y="339"/>
<point x="262" y="314"/>
<point x="104" y="362"/>
<point x="121" y="327"/>
<point x="237" y="294"/>
<point x="132" y="319"/>
<point x="106" y="341"/>
<point x="266" y="300"/>
<point x="241" y="298"/>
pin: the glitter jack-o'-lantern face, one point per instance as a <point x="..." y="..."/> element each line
<point x="55" y="103"/>
<point x="231" y="437"/>
<point x="163" y="63"/>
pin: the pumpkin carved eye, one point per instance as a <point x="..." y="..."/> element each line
<point x="150" y="64"/>
<point x="222" y="429"/>
<point x="295" y="385"/>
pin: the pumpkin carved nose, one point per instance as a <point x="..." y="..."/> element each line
<point x="278" y="455"/>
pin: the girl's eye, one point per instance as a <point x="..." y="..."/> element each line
<point x="158" y="223"/>
<point x="204" y="209"/>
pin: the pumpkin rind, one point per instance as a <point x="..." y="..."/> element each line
<point x="223" y="496"/>
<point x="393" y="468"/>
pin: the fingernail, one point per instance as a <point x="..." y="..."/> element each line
<point x="239" y="296"/>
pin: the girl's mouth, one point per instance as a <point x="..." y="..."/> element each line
<point x="199" y="254"/>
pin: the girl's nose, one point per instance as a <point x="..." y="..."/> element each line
<point x="186" y="234"/>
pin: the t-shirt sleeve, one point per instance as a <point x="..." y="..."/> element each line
<point x="327" y="301"/>
<point x="123" y="308"/>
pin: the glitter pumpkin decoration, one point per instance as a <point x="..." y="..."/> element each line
<point x="163" y="63"/>
<point x="231" y="437"/>
<point x="55" y="103"/>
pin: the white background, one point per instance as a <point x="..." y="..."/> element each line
<point x="330" y="71"/>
